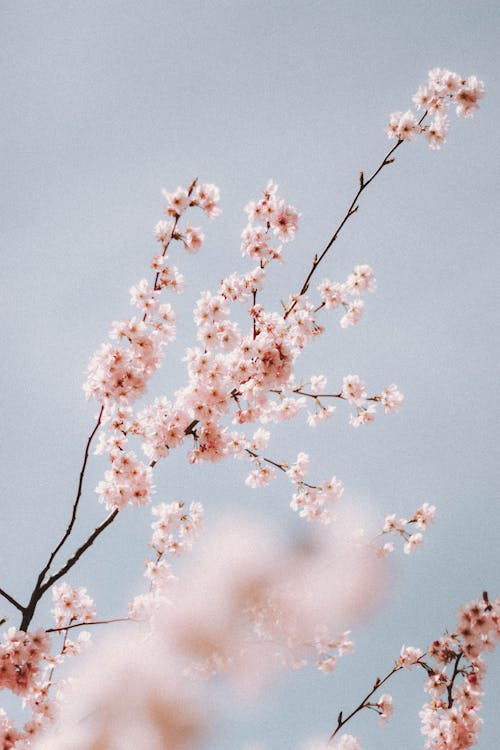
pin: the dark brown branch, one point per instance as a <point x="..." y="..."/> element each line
<point x="38" y="589"/>
<point x="79" y="552"/>
<point x="41" y="587"/>
<point x="453" y="678"/>
<point x="77" y="498"/>
<point x="12" y="600"/>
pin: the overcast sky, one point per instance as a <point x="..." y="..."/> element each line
<point x="106" y="103"/>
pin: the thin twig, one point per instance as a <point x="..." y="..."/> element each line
<point x="363" y="184"/>
<point x="281" y="467"/>
<point x="87" y="624"/>
<point x="378" y="683"/>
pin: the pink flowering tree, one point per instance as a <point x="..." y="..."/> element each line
<point x="247" y="603"/>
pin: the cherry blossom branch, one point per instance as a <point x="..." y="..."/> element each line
<point x="77" y="498"/>
<point x="12" y="600"/>
<point x="61" y="652"/>
<point x="318" y="396"/>
<point x="363" y="184"/>
<point x="364" y="703"/>
<point x="41" y="588"/>
<point x="172" y="236"/>
<point x="281" y="466"/>
<point x="87" y="624"/>
<point x="453" y="678"/>
<point x="79" y="552"/>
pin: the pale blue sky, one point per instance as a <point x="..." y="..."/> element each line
<point x="104" y="104"/>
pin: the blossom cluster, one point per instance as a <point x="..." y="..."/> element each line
<point x="249" y="605"/>
<point x="393" y="525"/>
<point x="443" y="89"/>
<point x="274" y="214"/>
<point x="120" y="373"/>
<point x="27" y="665"/>
<point x="333" y="294"/>
<point x="174" y="533"/>
<point x="71" y="605"/>
<point x="354" y="391"/>
<point x="234" y="376"/>
<point x="20" y="657"/>
<point x="24" y="661"/>
<point x="455" y="675"/>
<point x="128" y="481"/>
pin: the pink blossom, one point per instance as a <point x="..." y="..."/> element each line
<point x="71" y="604"/>
<point x="394" y="524"/>
<point x="128" y="481"/>
<point x="362" y="279"/>
<point x="163" y="231"/>
<point x="467" y="96"/>
<point x="177" y="202"/>
<point x="318" y="383"/>
<point x="298" y="470"/>
<point x="284" y="221"/>
<point x="320" y="415"/>
<point x="353" y="314"/>
<point x="260" y="477"/>
<point x="207" y="196"/>
<point x="403" y="126"/>
<point x="332" y="294"/>
<point x="385" y="550"/>
<point x="391" y="399"/>
<point x="412" y="543"/>
<point x="437" y="131"/>
<point x="443" y="88"/>
<point x="346" y="742"/>
<point x="409" y="656"/>
<point x="364" y="415"/>
<point x="384" y="703"/>
<point x="353" y="390"/>
<point x="425" y="515"/>
<point x="193" y="239"/>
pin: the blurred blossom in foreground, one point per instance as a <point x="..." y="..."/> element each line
<point x="249" y="606"/>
